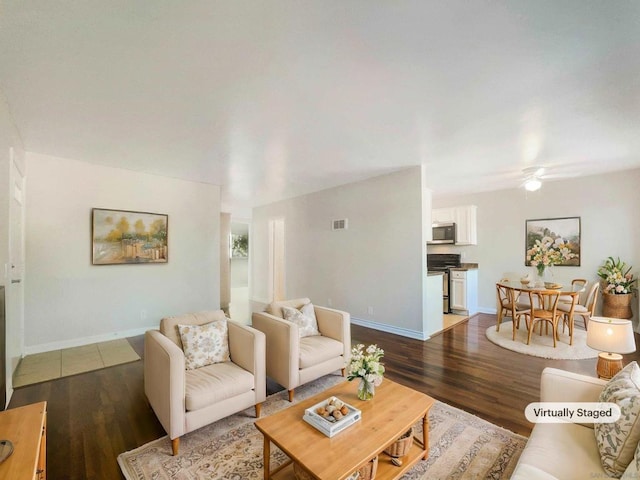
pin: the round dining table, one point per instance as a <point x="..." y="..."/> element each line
<point x="543" y="304"/>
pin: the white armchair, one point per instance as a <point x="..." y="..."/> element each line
<point x="185" y="400"/>
<point x="293" y="361"/>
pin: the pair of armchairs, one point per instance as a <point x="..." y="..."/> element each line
<point x="187" y="399"/>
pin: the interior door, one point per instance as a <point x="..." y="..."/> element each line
<point x="14" y="294"/>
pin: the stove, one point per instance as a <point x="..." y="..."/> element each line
<point x="442" y="262"/>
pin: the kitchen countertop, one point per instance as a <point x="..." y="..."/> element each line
<point x="433" y="274"/>
<point x="466" y="266"/>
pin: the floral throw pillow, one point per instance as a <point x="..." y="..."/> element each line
<point x="305" y="318"/>
<point x="617" y="441"/>
<point x="205" y="344"/>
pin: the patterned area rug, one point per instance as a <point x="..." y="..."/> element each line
<point x="462" y="446"/>
<point x="542" y="345"/>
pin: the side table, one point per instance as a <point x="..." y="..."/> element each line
<point x="26" y="428"/>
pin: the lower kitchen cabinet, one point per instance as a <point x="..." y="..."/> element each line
<point x="463" y="292"/>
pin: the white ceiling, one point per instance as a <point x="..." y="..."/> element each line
<point x="275" y="99"/>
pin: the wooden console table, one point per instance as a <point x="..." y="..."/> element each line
<point x="26" y="428"/>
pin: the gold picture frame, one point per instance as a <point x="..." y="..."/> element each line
<point x="125" y="237"/>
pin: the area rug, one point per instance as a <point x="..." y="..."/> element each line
<point x="542" y="345"/>
<point x="462" y="446"/>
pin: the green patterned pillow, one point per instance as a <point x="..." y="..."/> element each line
<point x="617" y="441"/>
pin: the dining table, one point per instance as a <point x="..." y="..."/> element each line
<point x="543" y="301"/>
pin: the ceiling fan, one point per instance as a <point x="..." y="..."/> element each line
<point x="532" y="178"/>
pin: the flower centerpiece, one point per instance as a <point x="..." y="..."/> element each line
<point x="617" y="276"/>
<point x="547" y="252"/>
<point x="365" y="365"/>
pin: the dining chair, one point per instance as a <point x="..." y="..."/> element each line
<point x="508" y="306"/>
<point x="577" y="285"/>
<point x="544" y="309"/>
<point x="586" y="310"/>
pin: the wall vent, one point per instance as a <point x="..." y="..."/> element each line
<point x="341" y="224"/>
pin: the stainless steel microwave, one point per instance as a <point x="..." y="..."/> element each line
<point x="443" y="233"/>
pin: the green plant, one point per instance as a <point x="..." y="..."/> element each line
<point x="239" y="245"/>
<point x="617" y="276"/>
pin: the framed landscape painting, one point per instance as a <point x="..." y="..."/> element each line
<point x="126" y="237"/>
<point x="565" y="230"/>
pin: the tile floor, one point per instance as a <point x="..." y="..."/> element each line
<point x="41" y="367"/>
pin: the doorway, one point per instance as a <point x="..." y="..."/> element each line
<point x="239" y="309"/>
<point x="276" y="260"/>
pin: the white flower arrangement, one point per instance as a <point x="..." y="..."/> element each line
<point x="617" y="276"/>
<point x="366" y="364"/>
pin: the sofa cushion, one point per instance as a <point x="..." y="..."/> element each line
<point x="205" y="344"/>
<point x="169" y="325"/>
<point x="528" y="472"/>
<point x="275" y="308"/>
<point x="633" y="470"/>
<point x="304" y="317"/>
<point x="214" y="383"/>
<point x="562" y="450"/>
<point x="317" y="349"/>
<point x="617" y="441"/>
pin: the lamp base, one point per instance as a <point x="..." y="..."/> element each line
<point x="608" y="365"/>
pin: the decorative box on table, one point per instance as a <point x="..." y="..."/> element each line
<point x="330" y="427"/>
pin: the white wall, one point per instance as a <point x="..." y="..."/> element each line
<point x="69" y="301"/>
<point x="608" y="208"/>
<point x="375" y="265"/>
<point x="9" y="139"/>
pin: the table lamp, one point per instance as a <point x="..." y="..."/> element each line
<point x="611" y="336"/>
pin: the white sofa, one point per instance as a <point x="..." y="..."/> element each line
<point x="564" y="451"/>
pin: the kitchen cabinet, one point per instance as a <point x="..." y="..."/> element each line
<point x="463" y="292"/>
<point x="465" y="218"/>
<point x="466" y="225"/>
<point x="443" y="215"/>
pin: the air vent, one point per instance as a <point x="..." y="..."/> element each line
<point x="341" y="224"/>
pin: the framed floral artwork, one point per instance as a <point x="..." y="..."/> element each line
<point x="552" y="242"/>
<point x="126" y="237"/>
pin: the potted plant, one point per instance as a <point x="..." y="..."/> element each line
<point x="618" y="283"/>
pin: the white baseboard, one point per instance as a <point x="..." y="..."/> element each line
<point x="78" y="342"/>
<point x="383" y="327"/>
<point x="490" y="311"/>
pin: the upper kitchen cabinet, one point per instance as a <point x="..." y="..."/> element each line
<point x="465" y="219"/>
<point x="466" y="225"/>
<point x="443" y="215"/>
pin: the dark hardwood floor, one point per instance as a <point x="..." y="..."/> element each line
<point x="94" y="416"/>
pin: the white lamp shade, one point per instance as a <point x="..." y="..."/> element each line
<point x="612" y="335"/>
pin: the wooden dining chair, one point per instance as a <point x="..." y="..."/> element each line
<point x="544" y="310"/>
<point x="577" y="285"/>
<point x="508" y="306"/>
<point x="586" y="310"/>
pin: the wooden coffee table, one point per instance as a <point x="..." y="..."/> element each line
<point x="391" y="412"/>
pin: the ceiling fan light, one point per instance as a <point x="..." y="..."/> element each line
<point x="532" y="184"/>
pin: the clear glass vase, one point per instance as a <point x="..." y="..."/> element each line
<point x="543" y="275"/>
<point x="366" y="390"/>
